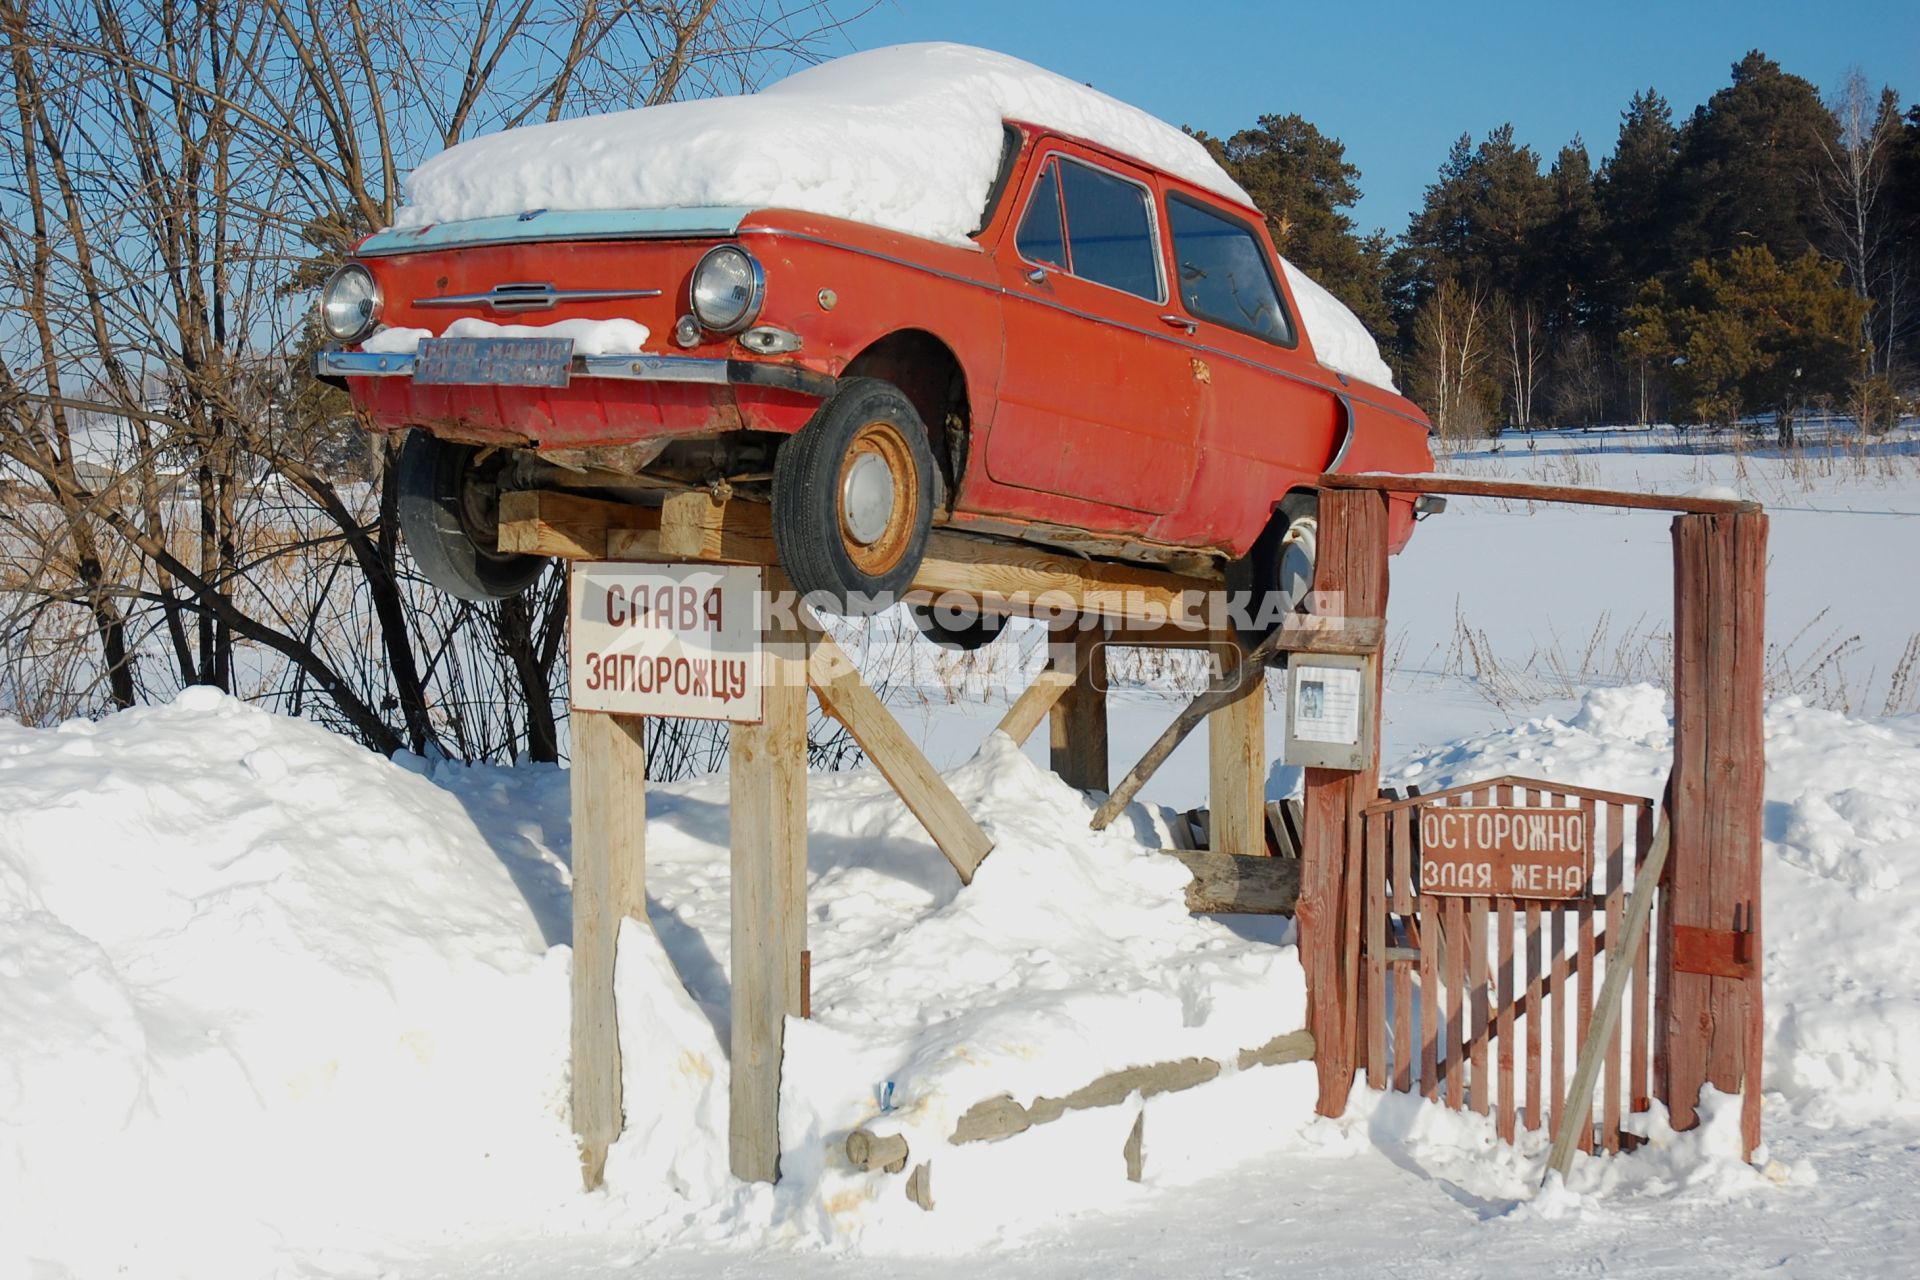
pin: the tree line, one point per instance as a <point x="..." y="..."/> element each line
<point x="1758" y="257"/>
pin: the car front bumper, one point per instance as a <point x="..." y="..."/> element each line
<point x="337" y="366"/>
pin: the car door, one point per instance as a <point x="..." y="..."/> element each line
<point x="1094" y="402"/>
<point x="1269" y="421"/>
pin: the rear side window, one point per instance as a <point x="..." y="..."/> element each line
<point x="1108" y="236"/>
<point x="1224" y="273"/>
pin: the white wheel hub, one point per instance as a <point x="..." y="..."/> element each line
<point x="1298" y="549"/>
<point x="866" y="499"/>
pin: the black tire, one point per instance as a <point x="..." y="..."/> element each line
<point x="1282" y="563"/>
<point x="450" y="518"/>
<point x="855" y="558"/>
<point x="961" y="635"/>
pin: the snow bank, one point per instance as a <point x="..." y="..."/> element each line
<point x="264" y="993"/>
<point x="255" y="984"/>
<point x="1841" y="877"/>
<point x="268" y="1002"/>
<point x="906" y="137"/>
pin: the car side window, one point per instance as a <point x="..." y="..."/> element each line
<point x="1224" y="273"/>
<point x="1110" y="230"/>
<point x="1040" y="238"/>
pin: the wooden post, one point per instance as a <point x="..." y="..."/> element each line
<point x="1352" y="573"/>
<point x="768" y="771"/>
<point x="1079" y="719"/>
<point x="1237" y="764"/>
<point x="1711" y="927"/>
<point x="609" y="790"/>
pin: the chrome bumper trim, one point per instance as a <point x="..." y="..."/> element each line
<point x="643" y="368"/>
<point x="336" y="365"/>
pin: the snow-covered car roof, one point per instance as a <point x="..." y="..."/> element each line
<point x="907" y="138"/>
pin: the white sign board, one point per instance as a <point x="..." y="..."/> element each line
<point x="666" y="640"/>
<point x="1330" y="711"/>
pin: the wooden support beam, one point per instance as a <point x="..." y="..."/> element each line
<point x="1352" y="569"/>
<point x="1711" y="1026"/>
<point x="609" y="861"/>
<point x="1526" y="491"/>
<point x="1224" y="688"/>
<point x="1033" y="706"/>
<point x="1606" y="1014"/>
<point x="542" y="523"/>
<point x="846" y="697"/>
<point x="768" y="814"/>
<point x="1237" y="765"/>
<point x="1012" y="576"/>
<point x="1078" y="750"/>
<point x="1232" y="883"/>
<point x="1299" y="633"/>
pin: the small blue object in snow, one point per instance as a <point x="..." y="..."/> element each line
<point x="886" y="1097"/>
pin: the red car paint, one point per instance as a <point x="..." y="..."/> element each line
<point x="1087" y="409"/>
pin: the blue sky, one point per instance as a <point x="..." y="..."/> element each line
<point x="1399" y="81"/>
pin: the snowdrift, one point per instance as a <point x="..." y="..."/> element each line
<point x="264" y="995"/>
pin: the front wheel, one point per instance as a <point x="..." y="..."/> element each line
<point x="450" y="519"/>
<point x="853" y="499"/>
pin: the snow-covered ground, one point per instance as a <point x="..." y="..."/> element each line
<point x="270" y="1005"/>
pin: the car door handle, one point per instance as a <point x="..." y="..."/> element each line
<point x="1178" y="322"/>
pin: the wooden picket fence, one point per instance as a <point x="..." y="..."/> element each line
<point x="1485" y="1001"/>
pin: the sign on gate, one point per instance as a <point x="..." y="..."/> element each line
<point x="1505" y="852"/>
<point x="666" y="640"/>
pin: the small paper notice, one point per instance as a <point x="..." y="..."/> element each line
<point x="1326" y="704"/>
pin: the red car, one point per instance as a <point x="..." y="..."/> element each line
<point x="1114" y="363"/>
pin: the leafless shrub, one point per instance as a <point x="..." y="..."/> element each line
<point x="183" y="504"/>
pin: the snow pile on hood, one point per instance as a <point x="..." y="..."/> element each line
<point x="907" y="137"/>
<point x="1339" y="340"/>
<point x="264" y="994"/>
<point x="1841" y="877"/>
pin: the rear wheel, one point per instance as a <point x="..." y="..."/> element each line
<point x="853" y="499"/>
<point x="450" y="518"/>
<point x="1278" y="572"/>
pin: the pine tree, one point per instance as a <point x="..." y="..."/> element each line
<point x="1747" y="162"/>
<point x="1746" y="333"/>
<point x="1567" y="263"/>
<point x="1481" y="227"/>
<point x="1634" y="193"/>
<point x="1300" y="178"/>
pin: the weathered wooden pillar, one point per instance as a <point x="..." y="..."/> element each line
<point x="1351" y="575"/>
<point x="1712" y="1024"/>
<point x="768" y="772"/>
<point x="1078" y="721"/>
<point x="609" y="791"/>
<point x="1237" y="764"/>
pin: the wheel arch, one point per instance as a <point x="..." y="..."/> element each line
<point x="928" y="372"/>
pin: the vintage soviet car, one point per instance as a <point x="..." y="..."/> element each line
<point x="1108" y="357"/>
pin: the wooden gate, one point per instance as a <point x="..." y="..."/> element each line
<point x="1468" y="958"/>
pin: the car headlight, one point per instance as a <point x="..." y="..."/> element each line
<point x="727" y="289"/>
<point x="350" y="304"/>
